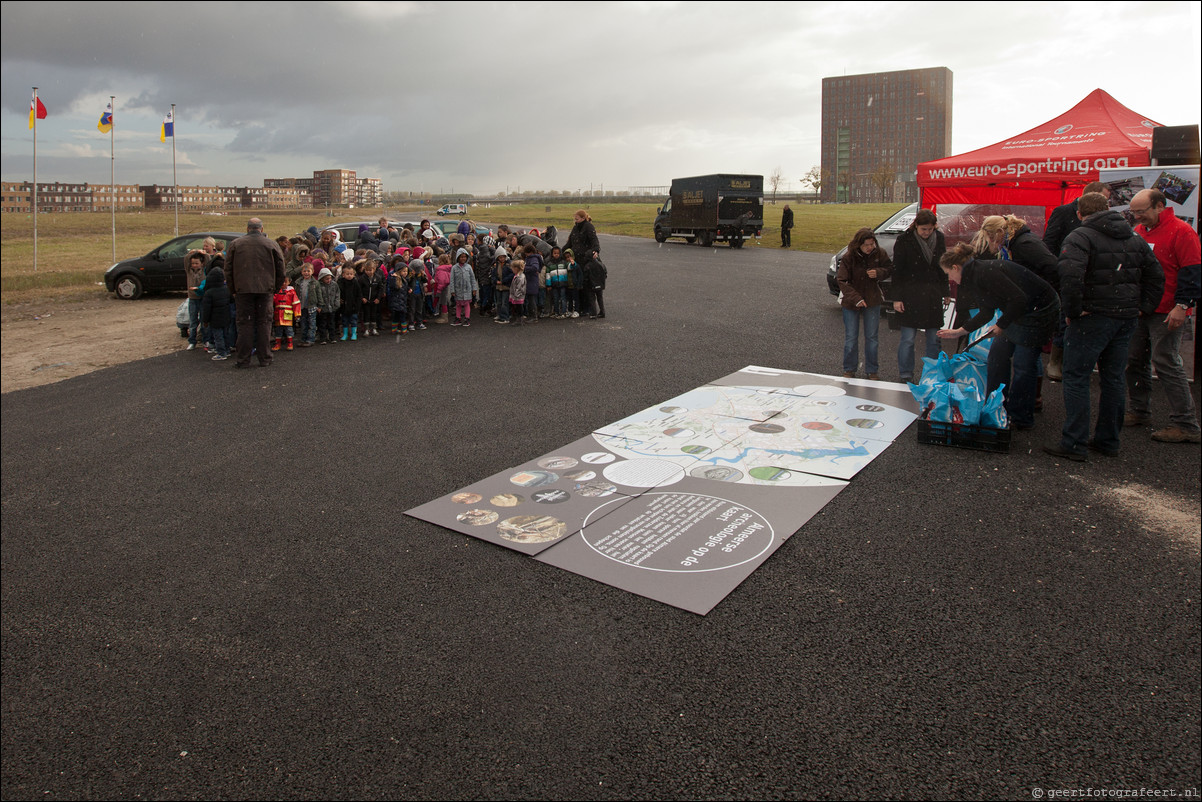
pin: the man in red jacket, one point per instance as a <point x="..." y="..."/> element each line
<point x="254" y="270"/>
<point x="1157" y="338"/>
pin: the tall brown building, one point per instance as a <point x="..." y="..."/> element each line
<point x="876" y="130"/>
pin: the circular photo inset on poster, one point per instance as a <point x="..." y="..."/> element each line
<point x="817" y="426"/>
<point x="696" y="451"/>
<point x="670" y="410"/>
<point x="558" y="463"/>
<point x="580" y="476"/>
<point x="820" y="390"/>
<point x="467" y="498"/>
<point x="767" y="428"/>
<point x="477" y="517"/>
<point x="531" y="528"/>
<point x="716" y="473"/>
<point x="870" y="408"/>
<point x="769" y="473"/>
<point x="595" y="489"/>
<point x="865" y="423"/>
<point x="506" y="500"/>
<point x="534" y="478"/>
<point x="552" y="496"/>
<point x="645" y="473"/>
<point x="598" y="458"/>
<point x="678" y="431"/>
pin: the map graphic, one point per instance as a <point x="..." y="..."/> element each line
<point x="682" y="501"/>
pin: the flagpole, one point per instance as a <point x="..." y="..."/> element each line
<point x="173" y="175"/>
<point x="34" y="117"/>
<point x="113" y="175"/>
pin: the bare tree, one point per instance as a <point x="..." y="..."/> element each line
<point x="883" y="178"/>
<point x="814" y="179"/>
<point x="774" y="182"/>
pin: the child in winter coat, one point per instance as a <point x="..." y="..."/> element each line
<point x="374" y="297"/>
<point x="517" y="294"/>
<point x="557" y="284"/>
<point x="215" y="312"/>
<point x="328" y="301"/>
<point x="351" y="294"/>
<point x="287" y="310"/>
<point x="464" y="289"/>
<point x="534" y="268"/>
<point x="575" y="283"/>
<point x="306" y="291"/>
<point x="501" y="277"/>
<point x="418" y="281"/>
<point x="398" y="297"/>
<point x="442" y="287"/>
<point x="596" y="279"/>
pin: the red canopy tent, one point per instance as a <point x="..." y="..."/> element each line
<point x="1046" y="166"/>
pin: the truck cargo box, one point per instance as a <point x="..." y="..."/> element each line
<point x="710" y="208"/>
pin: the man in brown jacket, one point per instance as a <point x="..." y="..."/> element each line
<point x="254" y="270"/>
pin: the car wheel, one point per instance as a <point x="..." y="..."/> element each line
<point x="705" y="239"/>
<point x="128" y="287"/>
<point x="660" y="235"/>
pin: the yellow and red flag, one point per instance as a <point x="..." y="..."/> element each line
<point x="36" y="109"/>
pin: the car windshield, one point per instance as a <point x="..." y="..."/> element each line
<point x="181" y="247"/>
<point x="898" y="222"/>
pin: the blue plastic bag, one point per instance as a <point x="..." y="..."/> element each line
<point x="949" y="403"/>
<point x="936" y="371"/>
<point x="993" y="412"/>
<point x="968" y="372"/>
<point x="980" y="352"/>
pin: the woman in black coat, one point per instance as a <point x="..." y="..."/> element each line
<point x="918" y="289"/>
<point x="585" y="246"/>
<point x="1029" y="308"/>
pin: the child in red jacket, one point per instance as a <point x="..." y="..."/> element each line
<point x="287" y="309"/>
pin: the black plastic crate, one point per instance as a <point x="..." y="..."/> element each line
<point x="960" y="435"/>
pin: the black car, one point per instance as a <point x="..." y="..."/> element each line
<point x="886" y="236"/>
<point x="161" y="270"/>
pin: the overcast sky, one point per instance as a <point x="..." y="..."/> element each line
<point x="484" y="97"/>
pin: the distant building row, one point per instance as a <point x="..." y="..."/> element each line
<point x="325" y="188"/>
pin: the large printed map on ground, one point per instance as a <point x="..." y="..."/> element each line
<point x="683" y="501"/>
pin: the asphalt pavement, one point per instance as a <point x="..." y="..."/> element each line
<point x="210" y="588"/>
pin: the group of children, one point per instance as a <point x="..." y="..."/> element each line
<point x="333" y="294"/>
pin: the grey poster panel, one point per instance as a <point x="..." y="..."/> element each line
<point x="532" y="506"/>
<point x="691" y="544"/>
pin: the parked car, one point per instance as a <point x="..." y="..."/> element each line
<point x="453" y="208"/>
<point x="449" y="227"/>
<point x="161" y="270"/>
<point x="349" y="232"/>
<point x="886" y="236"/>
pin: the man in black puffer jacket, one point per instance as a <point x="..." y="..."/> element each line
<point x="1108" y="276"/>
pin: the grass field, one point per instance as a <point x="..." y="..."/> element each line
<point x="74" y="249"/>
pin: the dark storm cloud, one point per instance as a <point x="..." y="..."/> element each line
<point x="542" y="95"/>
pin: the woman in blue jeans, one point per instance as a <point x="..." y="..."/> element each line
<point x="1029" y="308"/>
<point x="860" y="270"/>
<point x="918" y="289"/>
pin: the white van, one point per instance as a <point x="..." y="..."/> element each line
<point x="453" y="208"/>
